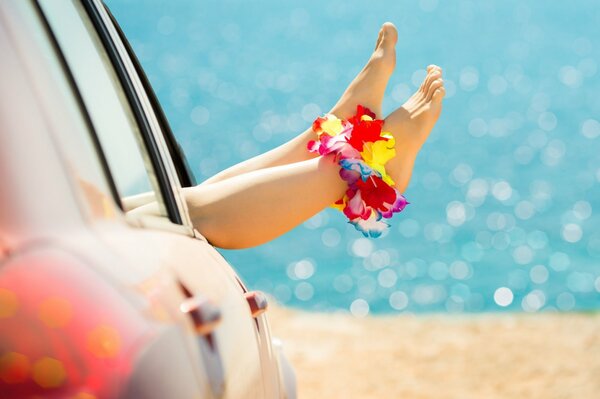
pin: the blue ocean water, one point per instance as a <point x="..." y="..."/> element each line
<point x="505" y="196"/>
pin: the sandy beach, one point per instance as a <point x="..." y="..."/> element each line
<point x="487" y="356"/>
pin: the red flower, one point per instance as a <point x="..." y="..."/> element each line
<point x="360" y="111"/>
<point x="364" y="131"/>
<point x="376" y="193"/>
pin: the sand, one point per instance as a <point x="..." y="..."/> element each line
<point x="489" y="356"/>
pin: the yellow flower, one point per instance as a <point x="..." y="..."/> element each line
<point x="377" y="154"/>
<point x="331" y="125"/>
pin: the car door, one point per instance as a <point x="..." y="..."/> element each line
<point x="146" y="188"/>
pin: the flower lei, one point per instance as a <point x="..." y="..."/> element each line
<point x="362" y="150"/>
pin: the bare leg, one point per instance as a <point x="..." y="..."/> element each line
<point x="256" y="207"/>
<point x="266" y="196"/>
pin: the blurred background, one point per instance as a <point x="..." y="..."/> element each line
<point x="505" y="197"/>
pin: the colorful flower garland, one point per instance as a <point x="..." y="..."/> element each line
<point x="362" y="150"/>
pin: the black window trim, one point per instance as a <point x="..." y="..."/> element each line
<point x="186" y="177"/>
<point x="138" y="111"/>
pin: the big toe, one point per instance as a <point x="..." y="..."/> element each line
<point x="438" y="94"/>
<point x="389" y="36"/>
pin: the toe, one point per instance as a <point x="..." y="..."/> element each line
<point x="431" y="76"/>
<point x="433" y="67"/>
<point x="438" y="94"/>
<point x="436" y="84"/>
<point x="389" y="36"/>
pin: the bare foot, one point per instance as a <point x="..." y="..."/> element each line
<point x="369" y="85"/>
<point x="412" y="122"/>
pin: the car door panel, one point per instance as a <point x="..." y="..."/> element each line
<point x="198" y="271"/>
<point x="144" y="280"/>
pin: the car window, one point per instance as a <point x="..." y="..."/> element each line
<point x="107" y="105"/>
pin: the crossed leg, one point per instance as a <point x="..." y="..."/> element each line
<point x="262" y="198"/>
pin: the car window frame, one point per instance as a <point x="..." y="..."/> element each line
<point x="139" y="112"/>
<point x="184" y="172"/>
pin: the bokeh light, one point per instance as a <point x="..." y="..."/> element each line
<point x="8" y="303"/>
<point x="48" y="373"/>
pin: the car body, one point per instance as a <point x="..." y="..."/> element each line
<point x="106" y="288"/>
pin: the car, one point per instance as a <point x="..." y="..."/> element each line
<point x="106" y="288"/>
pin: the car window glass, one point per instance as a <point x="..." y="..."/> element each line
<point x="106" y="103"/>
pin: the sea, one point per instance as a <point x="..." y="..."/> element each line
<point x="504" y="210"/>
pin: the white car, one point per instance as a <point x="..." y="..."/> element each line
<point x="100" y="298"/>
